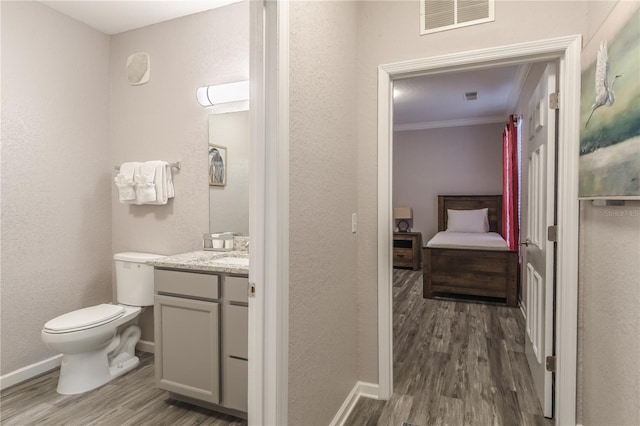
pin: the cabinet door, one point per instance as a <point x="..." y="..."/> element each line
<point x="187" y="356"/>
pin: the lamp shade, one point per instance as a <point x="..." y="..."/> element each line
<point x="402" y="213"/>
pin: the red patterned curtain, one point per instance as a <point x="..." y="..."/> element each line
<point x="510" y="220"/>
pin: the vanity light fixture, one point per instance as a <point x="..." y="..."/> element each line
<point x="223" y="93"/>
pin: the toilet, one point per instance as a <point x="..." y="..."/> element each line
<point x="98" y="343"/>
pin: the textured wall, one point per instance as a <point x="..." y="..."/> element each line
<point x="162" y="120"/>
<point x="610" y="324"/>
<point x="323" y="261"/>
<point x="56" y="179"/>
<point x="464" y="160"/>
<point x="388" y="32"/>
<point x="597" y="11"/>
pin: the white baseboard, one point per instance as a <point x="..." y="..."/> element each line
<point x="26" y="373"/>
<point x="33" y="370"/>
<point x="146" y="346"/>
<point x="524" y="313"/>
<point x="361" y="389"/>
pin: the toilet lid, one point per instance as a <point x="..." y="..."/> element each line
<point x="84" y="318"/>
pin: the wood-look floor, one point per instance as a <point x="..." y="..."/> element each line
<point x="131" y="399"/>
<point x="455" y="363"/>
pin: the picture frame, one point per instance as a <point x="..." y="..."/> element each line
<point x="217" y="165"/>
<point x="608" y="167"/>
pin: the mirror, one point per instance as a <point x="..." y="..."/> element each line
<point x="229" y="172"/>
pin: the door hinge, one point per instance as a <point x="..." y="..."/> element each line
<point x="551" y="364"/>
<point x="552" y="233"/>
<point x="251" y="290"/>
<point x="553" y="100"/>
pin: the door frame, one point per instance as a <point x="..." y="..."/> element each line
<point x="269" y="214"/>
<point x="566" y="50"/>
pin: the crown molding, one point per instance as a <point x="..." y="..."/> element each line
<point x="450" y="123"/>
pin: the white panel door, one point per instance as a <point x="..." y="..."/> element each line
<point x="539" y="253"/>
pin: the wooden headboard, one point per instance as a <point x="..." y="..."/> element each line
<point x="471" y="202"/>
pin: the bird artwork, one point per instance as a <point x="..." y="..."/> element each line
<point x="216" y="167"/>
<point x="604" y="89"/>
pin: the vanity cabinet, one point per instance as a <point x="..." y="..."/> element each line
<point x="188" y="347"/>
<point x="201" y="338"/>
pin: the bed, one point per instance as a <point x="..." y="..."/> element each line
<point x="470" y="265"/>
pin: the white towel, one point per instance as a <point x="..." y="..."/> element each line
<point x="145" y="185"/>
<point x="125" y="182"/>
<point x="164" y="182"/>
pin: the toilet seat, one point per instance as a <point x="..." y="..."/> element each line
<point x="85" y="318"/>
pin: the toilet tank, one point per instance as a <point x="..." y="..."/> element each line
<point x="134" y="278"/>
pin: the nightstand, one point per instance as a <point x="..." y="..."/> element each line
<point x="406" y="250"/>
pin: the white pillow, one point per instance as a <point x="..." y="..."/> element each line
<point x="468" y="220"/>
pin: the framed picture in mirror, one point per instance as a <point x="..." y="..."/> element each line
<point x="217" y="165"/>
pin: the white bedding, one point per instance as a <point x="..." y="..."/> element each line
<point x="468" y="240"/>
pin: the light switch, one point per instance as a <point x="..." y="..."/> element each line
<point x="354" y="223"/>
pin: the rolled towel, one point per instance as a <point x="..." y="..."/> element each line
<point x="145" y="187"/>
<point x="163" y="181"/>
<point x="125" y="182"/>
<point x="171" y="192"/>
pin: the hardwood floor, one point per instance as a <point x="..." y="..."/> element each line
<point x="128" y="400"/>
<point x="455" y="363"/>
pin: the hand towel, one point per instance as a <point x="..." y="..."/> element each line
<point x="164" y="183"/>
<point x="125" y="182"/>
<point x="146" y="189"/>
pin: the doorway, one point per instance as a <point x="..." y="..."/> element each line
<point x="566" y="50"/>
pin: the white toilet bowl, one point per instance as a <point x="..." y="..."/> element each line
<point x="98" y="343"/>
<point x="97" y="352"/>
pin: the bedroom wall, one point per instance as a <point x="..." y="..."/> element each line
<point x="464" y="160"/>
<point x="56" y="175"/>
<point x="388" y="32"/>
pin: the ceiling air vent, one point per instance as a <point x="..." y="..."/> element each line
<point x="442" y="15"/>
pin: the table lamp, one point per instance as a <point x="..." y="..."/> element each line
<point x="401" y="214"/>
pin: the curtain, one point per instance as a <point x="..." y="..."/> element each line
<point x="510" y="228"/>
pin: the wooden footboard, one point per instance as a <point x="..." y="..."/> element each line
<point x="485" y="273"/>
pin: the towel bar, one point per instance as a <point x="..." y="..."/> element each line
<point x="177" y="165"/>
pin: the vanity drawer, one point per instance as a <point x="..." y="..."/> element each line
<point x="191" y="284"/>
<point x="234" y="389"/>
<point x="235" y="289"/>
<point x="236" y="330"/>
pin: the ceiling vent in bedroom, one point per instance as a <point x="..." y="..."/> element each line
<point x="471" y="96"/>
<point x="442" y="15"/>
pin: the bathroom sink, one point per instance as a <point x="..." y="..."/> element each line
<point x="234" y="261"/>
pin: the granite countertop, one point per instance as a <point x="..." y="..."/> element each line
<point x="209" y="261"/>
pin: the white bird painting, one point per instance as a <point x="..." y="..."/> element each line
<point x="604" y="89"/>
